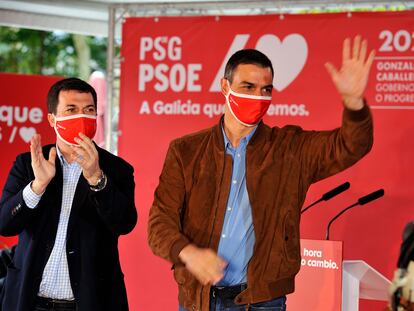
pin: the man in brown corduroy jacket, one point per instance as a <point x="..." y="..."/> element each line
<point x="227" y="208"/>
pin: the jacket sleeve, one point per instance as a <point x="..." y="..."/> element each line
<point x="15" y="215"/>
<point x="115" y="203"/>
<point x="164" y="228"/>
<point x="326" y="153"/>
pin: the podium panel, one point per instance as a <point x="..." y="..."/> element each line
<point x="318" y="285"/>
<point x="326" y="283"/>
<point x="360" y="280"/>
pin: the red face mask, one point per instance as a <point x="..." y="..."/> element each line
<point x="247" y="109"/>
<point x="67" y="128"/>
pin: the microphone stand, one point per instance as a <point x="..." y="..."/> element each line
<point x="336" y="217"/>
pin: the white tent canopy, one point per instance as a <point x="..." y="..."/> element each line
<point x="90" y="17"/>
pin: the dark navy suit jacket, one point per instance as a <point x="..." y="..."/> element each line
<point x="96" y="221"/>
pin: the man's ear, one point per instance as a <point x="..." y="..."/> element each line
<point x="51" y="119"/>
<point x="224" y="83"/>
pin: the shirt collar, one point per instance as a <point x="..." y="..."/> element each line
<point x="243" y="142"/>
<point x="62" y="159"/>
<point x="60" y="155"/>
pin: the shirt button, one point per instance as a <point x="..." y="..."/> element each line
<point x="238" y="155"/>
<point x="229" y="208"/>
<point x="234" y="181"/>
<point x="223" y="236"/>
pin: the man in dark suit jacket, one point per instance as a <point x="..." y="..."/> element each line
<point x="68" y="213"/>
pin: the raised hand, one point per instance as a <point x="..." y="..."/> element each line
<point x="352" y="78"/>
<point x="203" y="263"/>
<point x="44" y="170"/>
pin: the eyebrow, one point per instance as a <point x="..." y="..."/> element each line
<point x="72" y="106"/>
<point x="246" y="82"/>
<point x="252" y="84"/>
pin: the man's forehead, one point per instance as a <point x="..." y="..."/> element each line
<point x="74" y="93"/>
<point x="251" y="66"/>
<point x="76" y="99"/>
<point x="75" y="96"/>
<point x="248" y="68"/>
<point x="253" y="73"/>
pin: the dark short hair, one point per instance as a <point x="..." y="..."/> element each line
<point x="69" y="84"/>
<point x="246" y="56"/>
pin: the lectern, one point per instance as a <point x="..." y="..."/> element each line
<point x="327" y="283"/>
<point x="360" y="280"/>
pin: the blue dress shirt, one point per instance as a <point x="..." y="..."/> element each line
<point x="237" y="235"/>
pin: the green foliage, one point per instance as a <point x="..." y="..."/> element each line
<point x="48" y="53"/>
<point x="357" y="8"/>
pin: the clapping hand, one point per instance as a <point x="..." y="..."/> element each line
<point x="44" y="170"/>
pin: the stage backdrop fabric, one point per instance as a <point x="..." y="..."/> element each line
<point x="170" y="75"/>
<point x="23" y="113"/>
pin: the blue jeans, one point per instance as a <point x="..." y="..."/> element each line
<point x="216" y="304"/>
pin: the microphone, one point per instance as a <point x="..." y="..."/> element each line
<point x="329" y="195"/>
<point x="371" y="197"/>
<point x="361" y="201"/>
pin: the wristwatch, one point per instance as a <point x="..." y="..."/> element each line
<point x="100" y="184"/>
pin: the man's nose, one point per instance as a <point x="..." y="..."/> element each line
<point x="258" y="92"/>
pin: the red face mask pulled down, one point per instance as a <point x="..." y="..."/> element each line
<point x="67" y="128"/>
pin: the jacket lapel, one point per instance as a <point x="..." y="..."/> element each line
<point x="51" y="201"/>
<point x="81" y="195"/>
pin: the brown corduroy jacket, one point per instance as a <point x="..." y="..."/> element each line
<point x="281" y="163"/>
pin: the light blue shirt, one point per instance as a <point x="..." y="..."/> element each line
<point x="55" y="280"/>
<point x="237" y="235"/>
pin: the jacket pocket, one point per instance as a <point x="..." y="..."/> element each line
<point x="291" y="238"/>
<point x="181" y="274"/>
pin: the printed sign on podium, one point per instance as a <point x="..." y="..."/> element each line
<point x="326" y="283"/>
<point x="318" y="285"/>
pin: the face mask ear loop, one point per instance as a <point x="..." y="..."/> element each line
<point x="228" y="93"/>
<point x="54" y="127"/>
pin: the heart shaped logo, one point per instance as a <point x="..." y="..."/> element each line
<point x="26" y="133"/>
<point x="288" y="57"/>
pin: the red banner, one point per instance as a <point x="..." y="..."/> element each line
<point x="23" y="113"/>
<point x="170" y="87"/>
